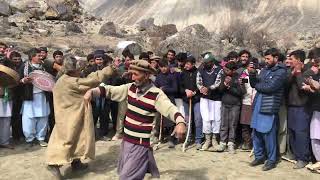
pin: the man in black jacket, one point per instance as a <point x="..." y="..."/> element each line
<point x="188" y="88"/>
<point x="299" y="114"/>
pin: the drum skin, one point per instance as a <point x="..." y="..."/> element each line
<point x="8" y="77"/>
<point x="42" y="80"/>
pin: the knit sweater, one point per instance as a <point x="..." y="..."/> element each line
<point x="142" y="108"/>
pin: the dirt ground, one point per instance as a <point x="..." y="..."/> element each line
<point x="28" y="163"/>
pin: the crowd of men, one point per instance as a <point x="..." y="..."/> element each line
<point x="238" y="103"/>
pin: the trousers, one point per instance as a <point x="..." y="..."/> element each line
<point x="229" y="122"/>
<point x="34" y="127"/>
<point x="211" y="115"/>
<point x="266" y="144"/>
<point x="5" y="130"/>
<point x="196" y="118"/>
<point x="299" y="132"/>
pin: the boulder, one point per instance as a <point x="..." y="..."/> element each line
<point x="19" y="18"/>
<point x="145" y="24"/>
<point x="5" y="9"/>
<point x="73" y="28"/>
<point x="134" y="49"/>
<point x="109" y="29"/>
<point x="169" y="29"/>
<point x="195" y="39"/>
<point x="59" y="11"/>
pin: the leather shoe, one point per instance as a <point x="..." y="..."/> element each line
<point x="257" y="162"/>
<point x="268" y="166"/>
<point x="300" y="165"/>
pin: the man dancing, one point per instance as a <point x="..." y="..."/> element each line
<point x="73" y="136"/>
<point x="144" y="100"/>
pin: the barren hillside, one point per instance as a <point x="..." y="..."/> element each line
<point x="276" y="15"/>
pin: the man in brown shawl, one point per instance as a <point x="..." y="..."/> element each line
<point x="144" y="101"/>
<point x="73" y="136"/>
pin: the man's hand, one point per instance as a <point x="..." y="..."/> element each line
<point x="26" y="80"/>
<point x="251" y="68"/>
<point x="180" y="131"/>
<point x="88" y="97"/>
<point x="117" y="62"/>
<point x="227" y="81"/>
<point x="204" y="90"/>
<point x="189" y="93"/>
<point x="315" y="85"/>
<point x="307" y="87"/>
<point x="57" y="67"/>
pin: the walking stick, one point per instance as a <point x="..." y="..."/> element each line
<point x="189" y="127"/>
<point x="160" y="134"/>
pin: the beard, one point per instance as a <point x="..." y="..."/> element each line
<point x="208" y="66"/>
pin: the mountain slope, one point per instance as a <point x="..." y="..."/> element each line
<point x="215" y="15"/>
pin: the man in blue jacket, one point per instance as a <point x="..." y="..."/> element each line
<point x="270" y="86"/>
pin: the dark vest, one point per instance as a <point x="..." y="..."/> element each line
<point x="208" y="79"/>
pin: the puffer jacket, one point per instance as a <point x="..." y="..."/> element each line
<point x="270" y="83"/>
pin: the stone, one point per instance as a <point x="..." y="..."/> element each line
<point x="5" y="9"/>
<point x="133" y="48"/>
<point x="145" y="24"/>
<point x="109" y="29"/>
<point x="195" y="39"/>
<point x="19" y="18"/>
<point x="169" y="29"/>
<point x="73" y="27"/>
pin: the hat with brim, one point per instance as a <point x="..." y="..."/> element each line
<point x="209" y="58"/>
<point x="142" y="65"/>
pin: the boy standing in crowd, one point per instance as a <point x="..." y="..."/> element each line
<point x="232" y="90"/>
<point x="167" y="82"/>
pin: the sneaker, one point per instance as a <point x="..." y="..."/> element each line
<point x="231" y="148"/>
<point x="43" y="144"/>
<point x="55" y="171"/>
<point x="257" y="162"/>
<point x="300" y="164"/>
<point x="221" y="147"/>
<point x="77" y="165"/>
<point x="268" y="166"/>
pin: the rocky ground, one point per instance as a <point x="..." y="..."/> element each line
<point x="29" y="164"/>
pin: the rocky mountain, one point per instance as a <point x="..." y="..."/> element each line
<point x="215" y="15"/>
